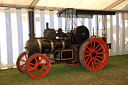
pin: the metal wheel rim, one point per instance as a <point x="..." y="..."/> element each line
<point x="93" y="58"/>
<point x="35" y="69"/>
<point x="21" y="59"/>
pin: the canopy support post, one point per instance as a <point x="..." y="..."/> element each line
<point x="104" y="33"/>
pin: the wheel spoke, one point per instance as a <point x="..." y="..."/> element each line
<point x="86" y="55"/>
<point x="34" y="73"/>
<point x="26" y="56"/>
<point x="44" y="64"/>
<point x="98" y="60"/>
<point x="44" y="69"/>
<point x="89" y="61"/>
<point x="86" y="51"/>
<point x="22" y="65"/>
<point x="92" y="64"/>
<point x="40" y="72"/>
<point x="89" y="49"/>
<point x="95" y="63"/>
<point x="40" y="60"/>
<point x="32" y="64"/>
<point x="23" y="60"/>
<point x="100" y="53"/>
<point x="99" y="49"/>
<point x="99" y="56"/>
<point x="36" y="60"/>
<point x="32" y="70"/>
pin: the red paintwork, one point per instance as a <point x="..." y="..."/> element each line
<point x="35" y="69"/>
<point x="21" y="59"/>
<point x="74" y="64"/>
<point x="99" y="61"/>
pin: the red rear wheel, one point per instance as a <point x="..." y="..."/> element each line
<point x="40" y="68"/>
<point x="21" y="62"/>
<point x="93" y="54"/>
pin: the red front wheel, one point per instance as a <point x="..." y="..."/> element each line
<point x="39" y="68"/>
<point x="93" y="54"/>
<point x="21" y="62"/>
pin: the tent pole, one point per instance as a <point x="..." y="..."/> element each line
<point x="72" y="21"/>
<point x="105" y="28"/>
<point x="97" y="26"/>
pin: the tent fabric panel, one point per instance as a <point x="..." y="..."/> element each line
<point x="122" y="6"/>
<point x="16" y="2"/>
<point x="114" y="34"/>
<point x="94" y="4"/>
<point x="9" y="37"/>
<point x="111" y="5"/>
<point x="84" y="4"/>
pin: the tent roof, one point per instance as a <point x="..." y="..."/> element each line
<point x="111" y="5"/>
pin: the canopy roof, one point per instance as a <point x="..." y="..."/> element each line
<point x="111" y="5"/>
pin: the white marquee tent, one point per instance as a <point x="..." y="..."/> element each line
<point x="14" y="23"/>
<point x="113" y="5"/>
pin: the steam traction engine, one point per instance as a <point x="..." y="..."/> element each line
<point x="72" y="47"/>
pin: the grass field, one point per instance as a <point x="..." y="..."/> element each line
<point x="115" y="73"/>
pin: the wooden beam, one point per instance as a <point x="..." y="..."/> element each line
<point x="14" y="6"/>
